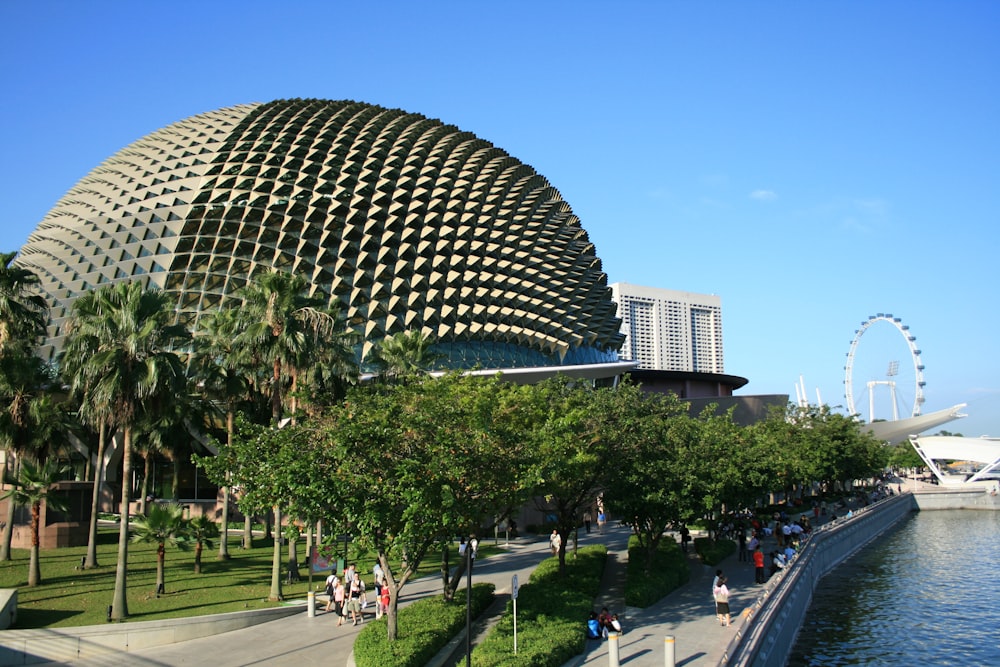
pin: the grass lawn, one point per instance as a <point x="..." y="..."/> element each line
<point x="72" y="597"/>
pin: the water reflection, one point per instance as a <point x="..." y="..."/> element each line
<point x="925" y="594"/>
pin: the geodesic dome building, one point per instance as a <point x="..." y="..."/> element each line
<point x="409" y="223"/>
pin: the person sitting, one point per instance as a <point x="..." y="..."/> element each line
<point x="604" y="621"/>
<point x="593" y="627"/>
<point x="616" y="625"/>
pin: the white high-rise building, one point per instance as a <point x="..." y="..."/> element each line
<point x="668" y="330"/>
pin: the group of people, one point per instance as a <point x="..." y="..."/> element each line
<point x="599" y="626"/>
<point x="348" y="597"/>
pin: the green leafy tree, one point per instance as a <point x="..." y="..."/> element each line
<point x="442" y="455"/>
<point x="131" y="367"/>
<point x="643" y="485"/>
<point x="163" y="524"/>
<point x="573" y="459"/>
<point x="32" y="487"/>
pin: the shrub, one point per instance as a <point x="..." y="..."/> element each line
<point x="669" y="571"/>
<point x="418" y="640"/>
<point x="550" y="614"/>
<point x="713" y="552"/>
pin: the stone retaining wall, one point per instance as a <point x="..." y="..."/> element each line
<point x="27" y="647"/>
<point x="768" y="631"/>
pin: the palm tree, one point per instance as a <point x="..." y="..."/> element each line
<point x="202" y="530"/>
<point x="79" y="347"/>
<point x="34" y="485"/>
<point x="284" y="326"/>
<point x="131" y="363"/>
<point x="222" y="373"/>
<point x="404" y="355"/>
<point x="24" y="313"/>
<point x="163" y="523"/>
<point x="23" y="317"/>
<point x="32" y="424"/>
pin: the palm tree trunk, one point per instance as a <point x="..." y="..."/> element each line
<point x="91" y="560"/>
<point x="276" y="393"/>
<point x="34" y="576"/>
<point x="8" y="526"/>
<point x="147" y="469"/>
<point x="161" y="559"/>
<point x="197" y="557"/>
<point x="119" y="606"/>
<point x="276" y="559"/>
<point x="175" y="483"/>
<point x="224" y="538"/>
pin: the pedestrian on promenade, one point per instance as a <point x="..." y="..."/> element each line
<point x="601" y="520"/>
<point x="721" y="594"/>
<point x="587" y="520"/>
<point x="741" y="538"/>
<point x="758" y="563"/>
<point x="555" y="541"/>
<point x="339" y="592"/>
<point x="331" y="586"/>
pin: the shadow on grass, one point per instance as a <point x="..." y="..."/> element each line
<point x="28" y="618"/>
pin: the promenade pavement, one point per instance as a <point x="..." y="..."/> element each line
<point x="687" y="614"/>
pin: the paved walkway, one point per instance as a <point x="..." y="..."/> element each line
<point x="687" y="614"/>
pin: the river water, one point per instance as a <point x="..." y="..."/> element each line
<point x="925" y="594"/>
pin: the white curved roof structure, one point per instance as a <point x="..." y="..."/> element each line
<point x="894" y="432"/>
<point x="935" y="448"/>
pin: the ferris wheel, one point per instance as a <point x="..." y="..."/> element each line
<point x="892" y="372"/>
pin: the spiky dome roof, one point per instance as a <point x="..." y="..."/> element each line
<point x="410" y="223"/>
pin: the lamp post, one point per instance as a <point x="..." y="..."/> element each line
<point x="468" y="605"/>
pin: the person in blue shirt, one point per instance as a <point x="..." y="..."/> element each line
<point x="593" y="627"/>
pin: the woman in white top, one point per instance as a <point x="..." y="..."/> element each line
<point x="721" y="593"/>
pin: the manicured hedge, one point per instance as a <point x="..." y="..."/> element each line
<point x="670" y="570"/>
<point x="551" y="614"/>
<point x="713" y="552"/>
<point x="424" y="628"/>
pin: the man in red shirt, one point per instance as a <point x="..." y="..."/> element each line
<point x="758" y="563"/>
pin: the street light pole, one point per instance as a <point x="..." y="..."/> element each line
<point x="468" y="605"/>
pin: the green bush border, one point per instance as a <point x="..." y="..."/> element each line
<point x="551" y="614"/>
<point x="423" y="629"/>
<point x="670" y="570"/>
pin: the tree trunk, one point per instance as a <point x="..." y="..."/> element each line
<point x="8" y="526"/>
<point x="147" y="468"/>
<point x="197" y="557"/>
<point x="34" y="576"/>
<point x="91" y="560"/>
<point x="224" y="538"/>
<point x="161" y="559"/>
<point x="175" y="484"/>
<point x="276" y="594"/>
<point x="293" y="560"/>
<point x="276" y="393"/>
<point x="247" y="532"/>
<point x="119" y="606"/>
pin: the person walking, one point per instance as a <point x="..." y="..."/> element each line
<point x="339" y="592"/>
<point x="721" y="594"/>
<point x="555" y="542"/>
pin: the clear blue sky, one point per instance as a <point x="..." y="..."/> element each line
<point x="811" y="163"/>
